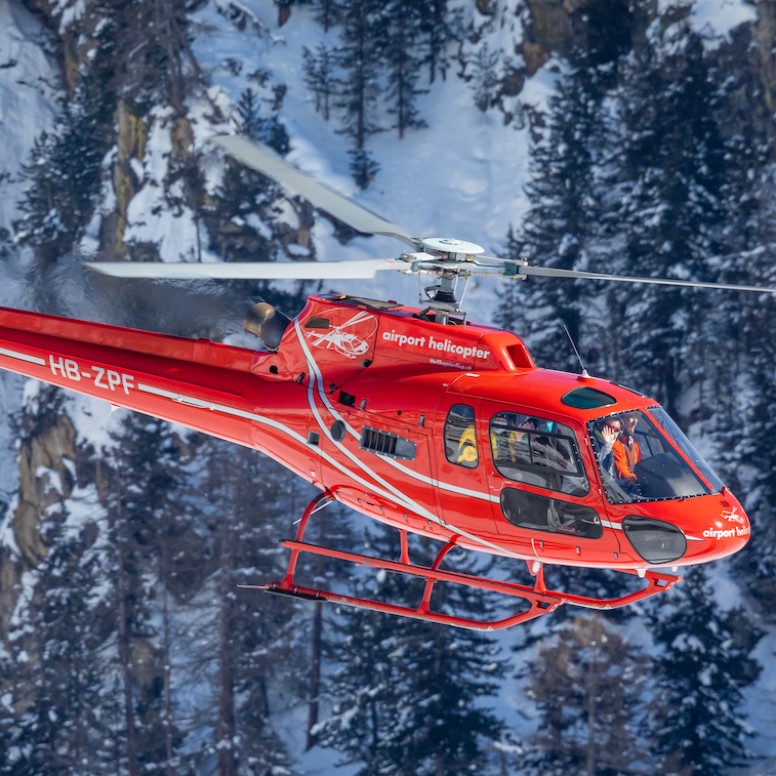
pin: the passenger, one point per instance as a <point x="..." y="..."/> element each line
<point x="605" y="436"/>
<point x="548" y="448"/>
<point x="530" y="424"/>
<point x="467" y="447"/>
<point x="508" y="440"/>
<point x="626" y="452"/>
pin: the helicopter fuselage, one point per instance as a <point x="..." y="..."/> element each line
<point x="449" y="431"/>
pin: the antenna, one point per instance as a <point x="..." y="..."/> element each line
<point x="585" y="373"/>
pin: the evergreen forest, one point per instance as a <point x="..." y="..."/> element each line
<point x="633" y="137"/>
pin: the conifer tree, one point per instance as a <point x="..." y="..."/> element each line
<point x="484" y="77"/>
<point x="753" y="455"/>
<point x="329" y="12"/>
<point x="61" y="724"/>
<point x="52" y="666"/>
<point x="245" y="194"/>
<point x="358" y="98"/>
<point x="65" y="169"/>
<point x="439" y="26"/>
<point x="151" y="41"/>
<point x="376" y="69"/>
<point x="408" y="696"/>
<point x="563" y="224"/>
<point x="402" y="25"/>
<point x="319" y="78"/>
<point x="586" y="682"/>
<point x="671" y="210"/>
<point x="242" y="629"/>
<point x="703" y="664"/>
<point x="740" y="368"/>
<point x="145" y="472"/>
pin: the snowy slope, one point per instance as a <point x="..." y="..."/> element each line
<point x="462" y="177"/>
<point x="28" y="95"/>
<point x="28" y="79"/>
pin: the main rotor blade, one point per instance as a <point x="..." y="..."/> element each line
<point x="550" y="272"/>
<point x="270" y="164"/>
<point x="245" y="270"/>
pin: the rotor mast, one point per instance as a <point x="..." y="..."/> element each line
<point x="448" y="260"/>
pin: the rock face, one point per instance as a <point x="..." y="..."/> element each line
<point x="47" y="464"/>
<point x="45" y="479"/>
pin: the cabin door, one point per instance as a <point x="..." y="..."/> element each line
<point x="461" y="460"/>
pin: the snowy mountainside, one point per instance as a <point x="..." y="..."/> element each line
<point x="28" y="97"/>
<point x="462" y="175"/>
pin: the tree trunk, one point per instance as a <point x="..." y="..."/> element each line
<point x="226" y="728"/>
<point x="315" y="675"/>
<point x="133" y="767"/>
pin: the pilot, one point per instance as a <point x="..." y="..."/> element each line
<point x="626" y="452"/>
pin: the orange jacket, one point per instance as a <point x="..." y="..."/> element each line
<point x="627" y="454"/>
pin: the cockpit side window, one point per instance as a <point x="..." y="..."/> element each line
<point x="460" y="436"/>
<point x="536" y="451"/>
<point x="638" y="462"/>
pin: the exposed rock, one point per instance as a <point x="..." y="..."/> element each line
<point x="47" y="457"/>
<point x="131" y="141"/>
<point x="44" y="480"/>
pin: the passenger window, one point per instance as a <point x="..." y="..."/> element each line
<point x="537" y="452"/>
<point x="460" y="436"/>
<point x="529" y="510"/>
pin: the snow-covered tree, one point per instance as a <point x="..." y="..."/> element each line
<point x="704" y="662"/>
<point x="402" y="26"/>
<point x="358" y="99"/>
<point x="65" y="171"/>
<point x="144" y="473"/>
<point x="564" y="221"/>
<point x="240" y="632"/>
<point x="673" y="167"/>
<point x="411" y="697"/>
<point x="63" y="719"/>
<point x="55" y="715"/>
<point x="585" y="682"/>
<point x="320" y="78"/>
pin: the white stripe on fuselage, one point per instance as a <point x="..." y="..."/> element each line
<point x="390" y="461"/>
<point x="22" y="357"/>
<point x="234" y="412"/>
<point x="403" y="499"/>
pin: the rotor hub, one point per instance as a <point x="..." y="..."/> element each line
<point x="449" y="245"/>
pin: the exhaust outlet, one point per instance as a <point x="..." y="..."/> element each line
<point x="267" y="323"/>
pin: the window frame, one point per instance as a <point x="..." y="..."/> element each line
<point x="452" y="446"/>
<point x="572" y="482"/>
<point x="537" y="510"/>
<point x="655" y="440"/>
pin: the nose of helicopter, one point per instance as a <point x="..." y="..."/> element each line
<point x="726" y="530"/>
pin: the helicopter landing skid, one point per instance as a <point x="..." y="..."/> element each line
<point x="540" y="600"/>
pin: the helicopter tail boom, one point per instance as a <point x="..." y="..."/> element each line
<point x="168" y="377"/>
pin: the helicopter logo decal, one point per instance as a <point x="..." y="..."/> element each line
<point x="732" y="516"/>
<point x="350" y="344"/>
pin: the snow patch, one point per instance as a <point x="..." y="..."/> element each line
<point x="27" y="80"/>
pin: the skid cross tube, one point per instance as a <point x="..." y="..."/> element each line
<point x="540" y="600"/>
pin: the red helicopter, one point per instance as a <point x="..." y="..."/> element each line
<point x="418" y="418"/>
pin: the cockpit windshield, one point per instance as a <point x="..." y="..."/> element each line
<point x="637" y="456"/>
